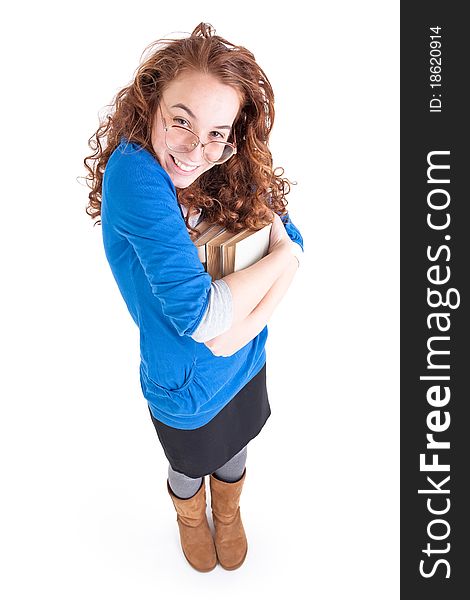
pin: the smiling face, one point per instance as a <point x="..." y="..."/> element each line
<point x="201" y="103"/>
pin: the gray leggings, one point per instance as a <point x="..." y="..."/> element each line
<point x="185" y="487"/>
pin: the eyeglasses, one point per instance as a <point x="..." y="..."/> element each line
<point x="179" y="139"/>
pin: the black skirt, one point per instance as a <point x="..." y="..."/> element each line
<point x="201" y="451"/>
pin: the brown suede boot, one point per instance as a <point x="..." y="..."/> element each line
<point x="196" y="537"/>
<point x="230" y="538"/>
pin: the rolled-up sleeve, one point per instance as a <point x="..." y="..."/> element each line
<point x="145" y="211"/>
<point x="292" y="231"/>
<point x="218" y="317"/>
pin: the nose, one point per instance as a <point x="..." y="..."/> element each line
<point x="196" y="156"/>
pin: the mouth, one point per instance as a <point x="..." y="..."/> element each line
<point x="183" y="167"/>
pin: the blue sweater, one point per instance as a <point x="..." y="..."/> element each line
<point x="165" y="287"/>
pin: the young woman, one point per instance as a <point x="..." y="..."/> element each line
<point x="188" y="141"/>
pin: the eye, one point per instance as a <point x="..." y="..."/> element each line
<point x="217" y="135"/>
<point x="182" y="122"/>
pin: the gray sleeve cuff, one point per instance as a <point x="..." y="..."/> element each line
<point x="218" y="317"/>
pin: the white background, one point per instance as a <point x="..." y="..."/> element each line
<point x="85" y="512"/>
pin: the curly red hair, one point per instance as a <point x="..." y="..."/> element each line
<point x="240" y="193"/>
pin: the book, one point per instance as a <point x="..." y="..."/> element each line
<point x="245" y="249"/>
<point x="206" y="233"/>
<point x="201" y="227"/>
<point x="214" y="254"/>
<point x="223" y="252"/>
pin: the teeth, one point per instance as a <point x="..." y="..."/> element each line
<point x="182" y="166"/>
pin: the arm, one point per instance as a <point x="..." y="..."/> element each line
<point x="218" y="318"/>
<point x="140" y="203"/>
<point x="250" y="285"/>
<point x="241" y="333"/>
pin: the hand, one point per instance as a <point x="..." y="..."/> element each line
<point x="278" y="235"/>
